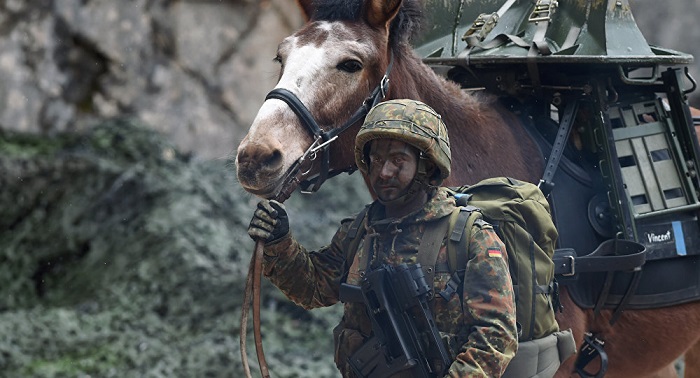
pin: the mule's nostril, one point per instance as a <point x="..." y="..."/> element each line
<point x="275" y="159"/>
<point x="243" y="157"/>
<point x="259" y="157"/>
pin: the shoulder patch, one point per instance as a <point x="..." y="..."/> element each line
<point x="494" y="252"/>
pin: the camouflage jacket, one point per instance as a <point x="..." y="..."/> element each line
<point x="478" y="329"/>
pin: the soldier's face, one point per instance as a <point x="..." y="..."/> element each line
<point x="392" y="167"/>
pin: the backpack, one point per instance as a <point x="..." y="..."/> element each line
<point x="520" y="215"/>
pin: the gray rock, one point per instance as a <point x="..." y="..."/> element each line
<point x="66" y="63"/>
<point x="194" y="70"/>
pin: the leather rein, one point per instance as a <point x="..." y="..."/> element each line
<point x="296" y="176"/>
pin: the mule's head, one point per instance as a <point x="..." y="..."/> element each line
<point x="331" y="65"/>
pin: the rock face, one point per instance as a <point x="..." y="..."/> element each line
<point x="122" y="257"/>
<point x="196" y="70"/>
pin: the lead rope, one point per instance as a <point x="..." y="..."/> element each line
<point x="294" y="177"/>
<point x="253" y="280"/>
<point x="252" y="287"/>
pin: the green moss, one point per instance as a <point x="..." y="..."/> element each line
<point x="20" y="145"/>
<point x="122" y="139"/>
<point x="125" y="258"/>
<point x="95" y="361"/>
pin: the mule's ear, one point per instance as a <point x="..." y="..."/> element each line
<point x="380" y="13"/>
<point x="307" y="8"/>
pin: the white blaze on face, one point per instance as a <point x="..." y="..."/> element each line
<point x="275" y="117"/>
<point x="308" y="69"/>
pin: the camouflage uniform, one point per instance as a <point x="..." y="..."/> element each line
<point x="479" y="329"/>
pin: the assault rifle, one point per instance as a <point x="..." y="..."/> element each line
<point x="405" y="337"/>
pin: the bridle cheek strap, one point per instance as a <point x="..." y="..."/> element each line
<point x="322" y="140"/>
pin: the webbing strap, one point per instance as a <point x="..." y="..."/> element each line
<point x="355" y="226"/>
<point x="483" y="25"/>
<point x="457" y="249"/>
<point x="541" y="15"/>
<point x="544" y="289"/>
<point x="546" y="183"/>
<point x="611" y="255"/>
<point x="539" y="44"/>
<point x="352" y="240"/>
<point x="366" y="258"/>
<point x="603" y="295"/>
<point x="631" y="290"/>
<point x="500" y="40"/>
<point x="430" y="244"/>
<point x="538" y="47"/>
<point x="458" y="219"/>
<point x="428" y="248"/>
<point x="460" y="222"/>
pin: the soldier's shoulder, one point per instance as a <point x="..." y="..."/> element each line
<point x="482" y="224"/>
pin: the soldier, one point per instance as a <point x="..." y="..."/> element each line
<point x="402" y="149"/>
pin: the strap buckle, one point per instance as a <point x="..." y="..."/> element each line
<point x="481" y="27"/>
<point x="544" y="9"/>
<point x="572" y="267"/>
<point x="592" y="347"/>
<point x="384" y="85"/>
<point x="451" y="287"/>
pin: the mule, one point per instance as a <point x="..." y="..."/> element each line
<point x="334" y="64"/>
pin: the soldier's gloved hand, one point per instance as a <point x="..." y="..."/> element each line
<point x="270" y="221"/>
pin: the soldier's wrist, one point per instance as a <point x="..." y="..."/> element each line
<point x="276" y="246"/>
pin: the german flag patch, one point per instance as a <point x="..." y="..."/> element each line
<point x="494" y="252"/>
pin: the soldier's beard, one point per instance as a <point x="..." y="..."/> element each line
<point x="417" y="186"/>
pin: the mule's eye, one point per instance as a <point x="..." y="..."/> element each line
<point x="350" y="66"/>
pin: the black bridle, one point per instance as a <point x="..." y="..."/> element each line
<point x="322" y="139"/>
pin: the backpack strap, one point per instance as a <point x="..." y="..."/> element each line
<point x="429" y="247"/>
<point x="463" y="218"/>
<point x="352" y="239"/>
<point x="355" y="226"/>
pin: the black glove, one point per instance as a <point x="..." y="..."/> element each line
<point x="270" y="221"/>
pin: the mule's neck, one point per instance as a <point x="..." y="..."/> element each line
<point x="414" y="79"/>
<point x="486" y="139"/>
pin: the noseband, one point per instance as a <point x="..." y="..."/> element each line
<point x="322" y="139"/>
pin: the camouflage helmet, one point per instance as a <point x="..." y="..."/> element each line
<point x="409" y="121"/>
